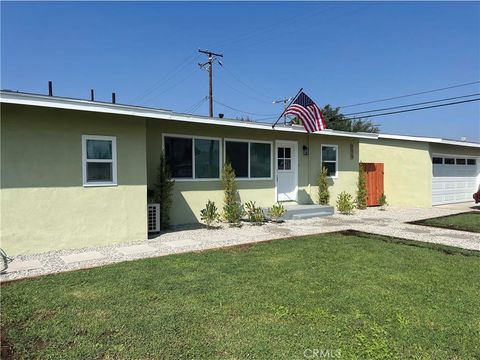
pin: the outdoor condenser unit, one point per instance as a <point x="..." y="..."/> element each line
<point x="153" y="218"/>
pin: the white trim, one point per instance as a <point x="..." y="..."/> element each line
<point x="330" y="161"/>
<point x="96" y="106"/>
<point x="249" y="141"/>
<point x="193" y="137"/>
<point x="113" y="161"/>
<point x="294" y="144"/>
<point x="429" y="140"/>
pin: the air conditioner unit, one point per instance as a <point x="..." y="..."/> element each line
<point x="153" y="218"/>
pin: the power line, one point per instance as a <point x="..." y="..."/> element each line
<point x="416" y="109"/>
<point x="164" y="79"/>
<point x="196" y="105"/>
<point x="415" y="104"/>
<point x="408" y="95"/>
<point x="241" y="111"/>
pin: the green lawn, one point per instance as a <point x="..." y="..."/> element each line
<point x="356" y="296"/>
<point x="469" y="221"/>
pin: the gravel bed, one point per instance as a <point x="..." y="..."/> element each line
<point x="391" y="222"/>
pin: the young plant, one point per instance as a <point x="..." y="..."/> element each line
<point x="210" y="214"/>
<point x="362" y="188"/>
<point x="345" y="204"/>
<point x="276" y="212"/>
<point x="163" y="192"/>
<point x="232" y="208"/>
<point x="254" y="213"/>
<point x="382" y="201"/>
<point x="323" y="193"/>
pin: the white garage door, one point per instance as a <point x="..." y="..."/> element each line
<point x="454" y="179"/>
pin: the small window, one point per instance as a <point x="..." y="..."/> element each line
<point x="329" y="159"/>
<point x="99" y="154"/>
<point x="284" y="158"/>
<point x="461" y="161"/>
<point x="437" y="160"/>
<point x="449" y="161"/>
<point x="471" y="162"/>
<point x="192" y="158"/>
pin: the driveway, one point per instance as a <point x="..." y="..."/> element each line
<point x="392" y="222"/>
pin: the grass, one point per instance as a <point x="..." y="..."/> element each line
<point x="469" y="221"/>
<point x="351" y="294"/>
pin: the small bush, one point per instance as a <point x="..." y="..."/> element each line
<point x="323" y="193"/>
<point x="276" y="212"/>
<point x="163" y="192"/>
<point x="254" y="213"/>
<point x="210" y="214"/>
<point x="362" y="188"/>
<point x="345" y="204"/>
<point x="232" y="208"/>
<point x="382" y="201"/>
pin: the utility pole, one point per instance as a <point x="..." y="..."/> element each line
<point x="209" y="65"/>
<point x="284" y="101"/>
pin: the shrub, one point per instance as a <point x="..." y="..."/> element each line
<point x="345" y="204"/>
<point x="382" y="201"/>
<point x="210" y="214"/>
<point x="323" y="193"/>
<point x="254" y="213"/>
<point x="232" y="208"/>
<point x="362" y="188"/>
<point x="276" y="212"/>
<point x="163" y="191"/>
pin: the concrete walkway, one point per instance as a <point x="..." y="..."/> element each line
<point x="392" y="222"/>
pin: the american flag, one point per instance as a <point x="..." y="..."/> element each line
<point x="308" y="112"/>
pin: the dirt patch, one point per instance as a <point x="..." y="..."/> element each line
<point x="7" y="348"/>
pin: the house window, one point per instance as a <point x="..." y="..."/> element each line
<point x="437" y="160"/>
<point x="249" y="159"/>
<point x="192" y="158"/>
<point x="99" y="154"/>
<point x="284" y="158"/>
<point x="330" y="159"/>
<point x="471" y="162"/>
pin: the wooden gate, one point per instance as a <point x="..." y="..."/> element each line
<point x="374" y="182"/>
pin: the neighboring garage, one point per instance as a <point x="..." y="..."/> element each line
<point x="422" y="171"/>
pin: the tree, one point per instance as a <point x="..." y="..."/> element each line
<point x="323" y="193"/>
<point x="335" y="120"/>
<point x="163" y="192"/>
<point x="362" y="192"/>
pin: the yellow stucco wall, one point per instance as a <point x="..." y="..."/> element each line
<point x="191" y="196"/>
<point x="407" y="170"/>
<point x="44" y="205"/>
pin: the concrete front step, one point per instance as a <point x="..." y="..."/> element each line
<point x="297" y="212"/>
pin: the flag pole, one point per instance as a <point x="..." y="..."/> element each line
<point x="285" y="109"/>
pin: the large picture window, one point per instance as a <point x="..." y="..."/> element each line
<point x="330" y="159"/>
<point x="99" y="155"/>
<point x="249" y="159"/>
<point x="192" y="158"/>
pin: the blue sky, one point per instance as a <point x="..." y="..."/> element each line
<point x="341" y="53"/>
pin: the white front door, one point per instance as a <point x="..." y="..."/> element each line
<point x="286" y="174"/>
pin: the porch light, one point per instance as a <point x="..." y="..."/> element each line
<point x="305" y="150"/>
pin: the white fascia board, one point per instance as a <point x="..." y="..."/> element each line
<point x="429" y="140"/>
<point x="93" y="106"/>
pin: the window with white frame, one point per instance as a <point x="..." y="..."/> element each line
<point x="330" y="159"/>
<point x="192" y="157"/>
<point x="249" y="159"/>
<point x="99" y="155"/>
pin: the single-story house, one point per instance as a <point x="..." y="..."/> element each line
<point x="75" y="173"/>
